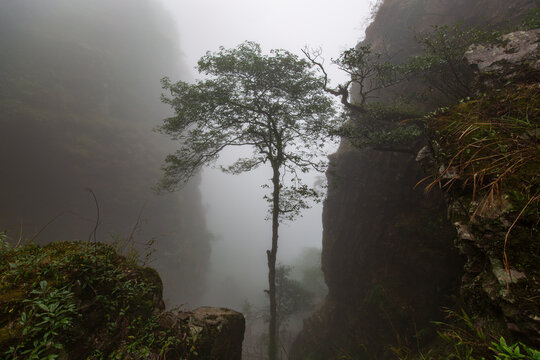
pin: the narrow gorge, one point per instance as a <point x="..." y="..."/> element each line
<point x="121" y="238"/>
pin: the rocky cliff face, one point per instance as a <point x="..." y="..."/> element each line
<point x="397" y="21"/>
<point x="388" y="248"/>
<point x="500" y="237"/>
<point x="388" y="257"/>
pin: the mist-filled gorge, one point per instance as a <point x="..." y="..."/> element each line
<point x="80" y="96"/>
<point x="269" y="180"/>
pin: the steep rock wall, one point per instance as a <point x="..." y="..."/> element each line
<point x="388" y="249"/>
<point x="388" y="257"/>
<point x="398" y="21"/>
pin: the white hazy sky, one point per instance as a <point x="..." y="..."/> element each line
<point x="235" y="207"/>
<point x="288" y="24"/>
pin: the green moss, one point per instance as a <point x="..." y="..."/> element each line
<point x="80" y="298"/>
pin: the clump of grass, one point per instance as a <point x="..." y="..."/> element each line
<point x="492" y="145"/>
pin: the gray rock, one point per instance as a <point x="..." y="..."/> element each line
<point x="505" y="276"/>
<point x="463" y="231"/>
<point x="425" y="157"/>
<point x="513" y="50"/>
<point x="209" y="333"/>
<point x="224" y="333"/>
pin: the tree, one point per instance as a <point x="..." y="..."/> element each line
<point x="441" y="66"/>
<point x="374" y="124"/>
<point x="369" y="71"/>
<point x="274" y="104"/>
<point x="291" y="297"/>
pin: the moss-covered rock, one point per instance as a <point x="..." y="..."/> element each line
<point x="487" y="157"/>
<point x="80" y="300"/>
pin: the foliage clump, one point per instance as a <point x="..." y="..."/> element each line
<point x="447" y="77"/>
<point x="465" y="337"/>
<point x="492" y="145"/>
<point x="385" y="127"/>
<point x="79" y="300"/>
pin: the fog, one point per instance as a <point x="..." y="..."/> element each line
<point x="80" y="96"/>
<point x="80" y="86"/>
<point x="334" y="26"/>
<point x="235" y="209"/>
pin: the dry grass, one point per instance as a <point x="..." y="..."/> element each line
<point x="491" y="147"/>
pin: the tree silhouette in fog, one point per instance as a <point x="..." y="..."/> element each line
<point x="274" y="104"/>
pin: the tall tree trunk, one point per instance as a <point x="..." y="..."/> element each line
<point x="272" y="254"/>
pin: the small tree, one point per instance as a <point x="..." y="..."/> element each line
<point x="369" y="71"/>
<point x="441" y="66"/>
<point x="272" y="103"/>
<point x="375" y="124"/>
<point x="291" y="297"/>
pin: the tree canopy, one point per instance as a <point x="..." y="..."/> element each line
<point x="273" y="103"/>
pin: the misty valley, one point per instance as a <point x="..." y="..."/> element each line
<point x="205" y="181"/>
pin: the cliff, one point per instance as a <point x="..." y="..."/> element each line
<point x="80" y="300"/>
<point x="397" y="22"/>
<point x="80" y="87"/>
<point x="494" y="191"/>
<point x="389" y="248"/>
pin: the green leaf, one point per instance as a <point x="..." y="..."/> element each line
<point x="43" y="306"/>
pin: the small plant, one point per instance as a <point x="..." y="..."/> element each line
<point x="46" y="320"/>
<point x="503" y="351"/>
<point x="441" y="66"/>
<point x="531" y="21"/>
<point x="467" y="338"/>
<point x="4" y="244"/>
<point x="385" y="127"/>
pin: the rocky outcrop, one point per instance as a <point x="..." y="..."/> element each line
<point x="501" y="274"/>
<point x="514" y="50"/>
<point x="75" y="300"/>
<point x="220" y="332"/>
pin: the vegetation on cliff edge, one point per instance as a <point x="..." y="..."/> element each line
<point x="81" y="300"/>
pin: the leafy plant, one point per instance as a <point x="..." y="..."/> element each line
<point x="531" y="21"/>
<point x="441" y="65"/>
<point x="48" y="316"/>
<point x="504" y="351"/>
<point x="4" y="244"/>
<point x="464" y="337"/>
